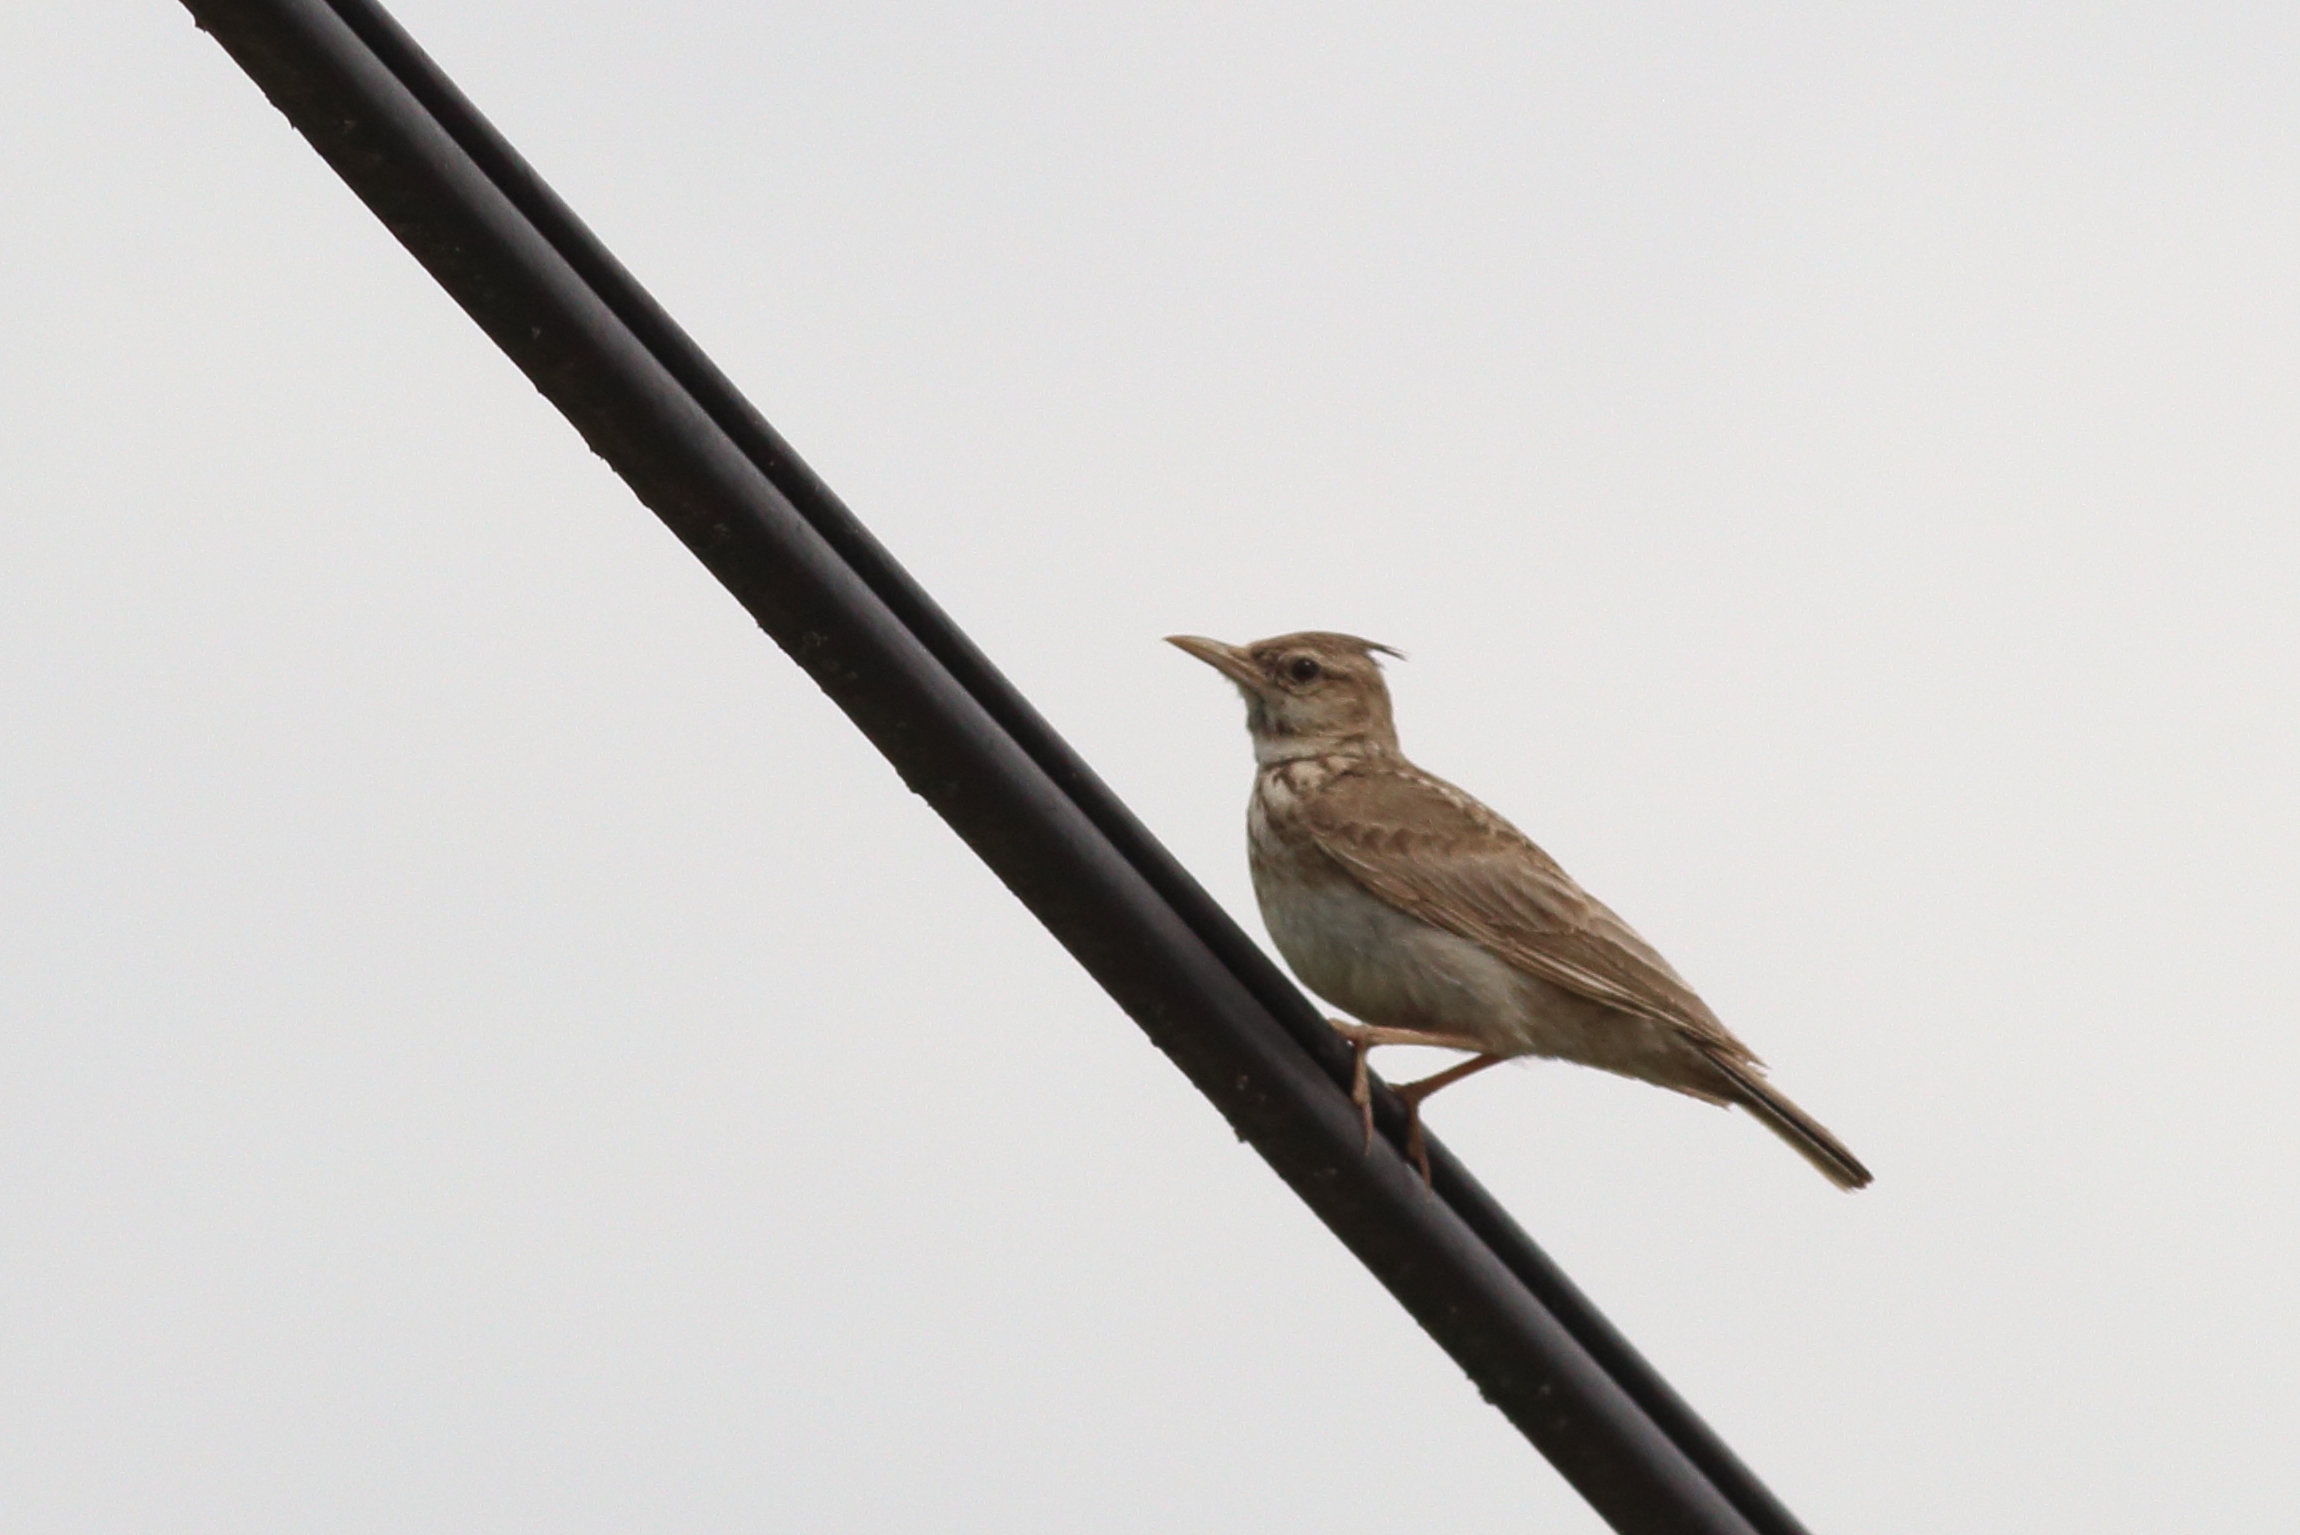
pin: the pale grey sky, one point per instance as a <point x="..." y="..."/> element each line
<point x="485" y="1046"/>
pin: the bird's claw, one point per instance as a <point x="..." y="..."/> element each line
<point x="1362" y="1040"/>
<point x="1417" y="1148"/>
<point x="1361" y="1085"/>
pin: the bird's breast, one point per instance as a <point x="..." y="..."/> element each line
<point x="1385" y="966"/>
<point x="1362" y="954"/>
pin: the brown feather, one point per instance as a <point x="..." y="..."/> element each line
<point x="1805" y="1134"/>
<point x="1408" y="903"/>
<point x="1426" y="847"/>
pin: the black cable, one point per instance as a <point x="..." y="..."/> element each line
<point x="830" y="517"/>
<point x="650" y="402"/>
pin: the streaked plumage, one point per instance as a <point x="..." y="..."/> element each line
<point x="1407" y="903"/>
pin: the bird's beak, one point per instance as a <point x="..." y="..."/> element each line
<point x="1229" y="660"/>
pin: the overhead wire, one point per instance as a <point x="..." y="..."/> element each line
<point x="697" y="453"/>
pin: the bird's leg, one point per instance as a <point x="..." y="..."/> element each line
<point x="1361" y="1089"/>
<point x="1417" y="1149"/>
<point x="1364" y="1036"/>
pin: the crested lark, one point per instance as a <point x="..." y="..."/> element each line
<point x="1400" y="899"/>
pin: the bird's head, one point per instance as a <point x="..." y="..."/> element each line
<point x="1307" y="695"/>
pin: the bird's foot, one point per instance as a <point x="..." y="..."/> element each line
<point x="1417" y="1145"/>
<point x="1364" y="1036"/>
<point x="1361" y="1085"/>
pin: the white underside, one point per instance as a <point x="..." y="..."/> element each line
<point x="1386" y="967"/>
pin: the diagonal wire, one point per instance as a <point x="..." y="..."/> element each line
<point x="648" y="400"/>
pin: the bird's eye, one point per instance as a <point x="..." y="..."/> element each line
<point x="1302" y="669"/>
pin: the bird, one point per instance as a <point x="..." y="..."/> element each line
<point x="1430" y="919"/>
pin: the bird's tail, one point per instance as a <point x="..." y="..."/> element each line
<point x="1803" y="1132"/>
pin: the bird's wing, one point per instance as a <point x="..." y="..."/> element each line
<point x="1427" y="848"/>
